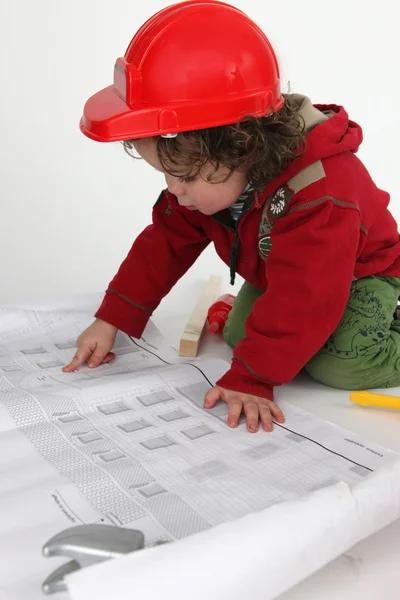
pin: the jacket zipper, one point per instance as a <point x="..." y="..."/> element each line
<point x="249" y="203"/>
<point x="234" y="253"/>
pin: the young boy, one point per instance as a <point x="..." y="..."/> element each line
<point x="274" y="182"/>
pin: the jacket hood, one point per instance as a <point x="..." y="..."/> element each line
<point x="329" y="132"/>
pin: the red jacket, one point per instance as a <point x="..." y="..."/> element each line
<point x="313" y="229"/>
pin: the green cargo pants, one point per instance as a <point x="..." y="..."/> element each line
<point x="364" y="350"/>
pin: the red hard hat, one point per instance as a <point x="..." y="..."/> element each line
<point x="193" y="65"/>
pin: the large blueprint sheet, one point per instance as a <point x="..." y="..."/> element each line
<point x="129" y="444"/>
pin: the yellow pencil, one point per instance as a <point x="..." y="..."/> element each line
<point x="369" y="399"/>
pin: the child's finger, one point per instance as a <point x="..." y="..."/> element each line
<point x="252" y="413"/>
<point x="235" y="408"/>
<point x="266" y="418"/>
<point x="276" y="412"/>
<point x="212" y="397"/>
<point x="110" y="356"/>
<point x="80" y="357"/>
<point x="98" y="356"/>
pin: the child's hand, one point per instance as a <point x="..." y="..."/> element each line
<point x="94" y="345"/>
<point x="254" y="407"/>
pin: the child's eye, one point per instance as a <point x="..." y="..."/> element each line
<point x="187" y="179"/>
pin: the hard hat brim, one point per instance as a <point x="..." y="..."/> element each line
<point x="107" y="118"/>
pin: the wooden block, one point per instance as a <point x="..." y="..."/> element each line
<point x="189" y="342"/>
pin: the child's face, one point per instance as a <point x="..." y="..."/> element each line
<point x="196" y="193"/>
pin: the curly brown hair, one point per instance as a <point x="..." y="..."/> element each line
<point x="262" y="146"/>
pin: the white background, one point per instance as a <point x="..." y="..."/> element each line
<point x="71" y="207"/>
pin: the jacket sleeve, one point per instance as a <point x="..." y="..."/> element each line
<point x="160" y="255"/>
<point x="309" y="274"/>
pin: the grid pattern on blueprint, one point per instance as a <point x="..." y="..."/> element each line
<point x="142" y="421"/>
<point x="123" y="468"/>
<point x="143" y="447"/>
<point x="176" y="515"/>
<point x="116" y="465"/>
<point x="171" y="511"/>
<point x="262" y="465"/>
<point x="48" y="352"/>
<point x="99" y="489"/>
<point x="137" y="431"/>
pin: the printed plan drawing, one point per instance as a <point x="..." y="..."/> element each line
<point x="129" y="444"/>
